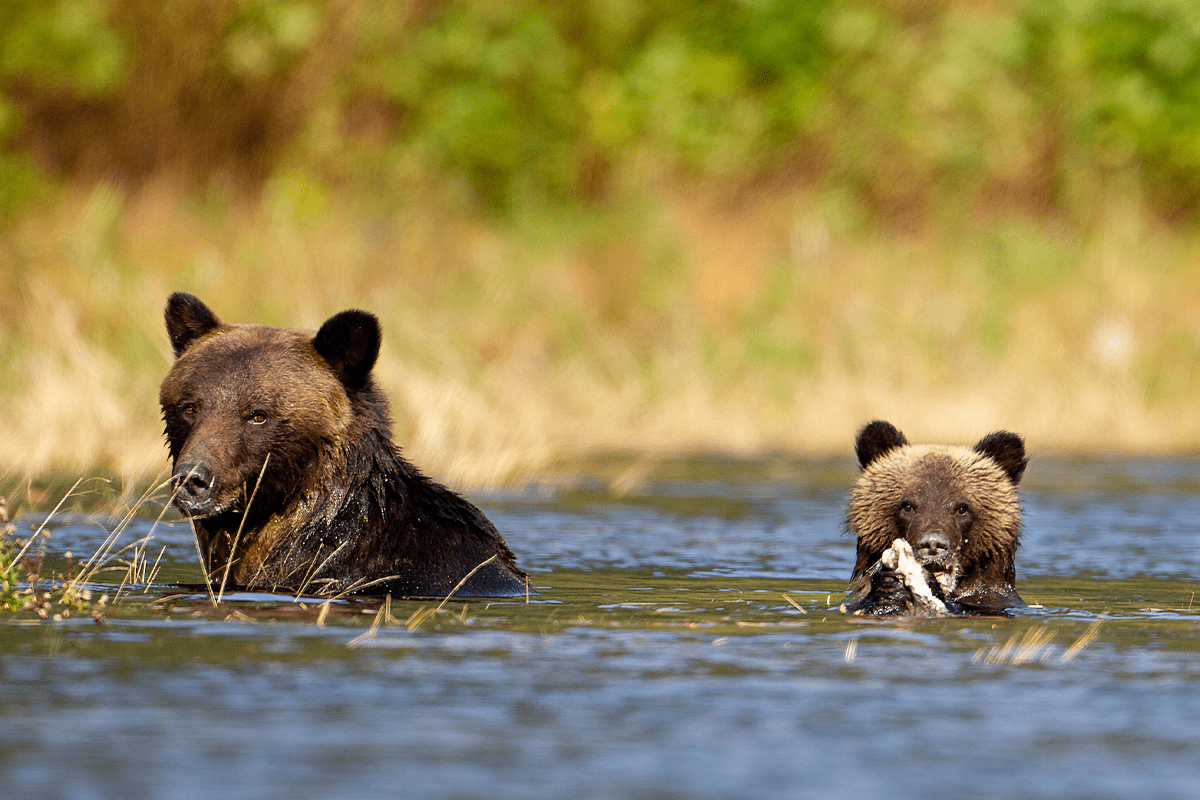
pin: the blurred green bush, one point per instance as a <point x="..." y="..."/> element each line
<point x="919" y="109"/>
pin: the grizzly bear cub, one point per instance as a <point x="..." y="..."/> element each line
<point x="937" y="526"/>
<point x="283" y="460"/>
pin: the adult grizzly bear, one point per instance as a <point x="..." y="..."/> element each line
<point x="283" y="460"/>
<point x="937" y="526"/>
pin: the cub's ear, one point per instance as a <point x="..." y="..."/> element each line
<point x="187" y="320"/>
<point x="1007" y="450"/>
<point x="349" y="343"/>
<point x="877" y="439"/>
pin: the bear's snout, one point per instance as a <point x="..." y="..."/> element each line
<point x="931" y="546"/>
<point x="193" y="481"/>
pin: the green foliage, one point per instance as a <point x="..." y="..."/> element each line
<point x="50" y="47"/>
<point x="1018" y="105"/>
<point x="66" y="45"/>
<point x="546" y="99"/>
<point x="1146" y="62"/>
<point x="11" y="573"/>
<point x="268" y="35"/>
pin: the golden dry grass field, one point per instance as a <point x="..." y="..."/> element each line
<point x="767" y="322"/>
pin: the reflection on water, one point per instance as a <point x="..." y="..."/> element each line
<point x="682" y="646"/>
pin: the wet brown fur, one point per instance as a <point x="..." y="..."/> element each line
<point x="303" y="488"/>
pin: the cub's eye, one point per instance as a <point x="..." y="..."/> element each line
<point x="258" y="418"/>
<point x="907" y="506"/>
<point x="962" y="509"/>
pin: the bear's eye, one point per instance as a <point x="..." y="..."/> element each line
<point x="188" y="409"/>
<point x="258" y="418"/>
<point x="962" y="509"/>
<point x="907" y="506"/>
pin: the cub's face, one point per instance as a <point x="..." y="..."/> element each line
<point x="956" y="506"/>
<point x="934" y="513"/>
<point x="248" y="409"/>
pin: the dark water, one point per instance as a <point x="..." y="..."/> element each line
<point x="661" y="660"/>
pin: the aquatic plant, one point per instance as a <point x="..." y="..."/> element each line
<point x="10" y="561"/>
<point x="68" y="592"/>
<point x="23" y="589"/>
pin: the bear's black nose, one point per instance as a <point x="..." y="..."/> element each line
<point x="931" y="546"/>
<point x="193" y="487"/>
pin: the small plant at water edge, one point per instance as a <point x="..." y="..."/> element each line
<point x="21" y="578"/>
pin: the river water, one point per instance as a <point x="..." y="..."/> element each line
<point x="682" y="645"/>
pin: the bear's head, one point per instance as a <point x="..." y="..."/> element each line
<point x="957" y="507"/>
<point x="249" y="408"/>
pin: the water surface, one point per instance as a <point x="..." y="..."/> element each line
<point x="682" y="645"/>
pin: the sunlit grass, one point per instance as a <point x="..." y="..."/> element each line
<point x="509" y="349"/>
<point x="1036" y="645"/>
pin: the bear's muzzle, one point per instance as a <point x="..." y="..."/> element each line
<point x="193" y="482"/>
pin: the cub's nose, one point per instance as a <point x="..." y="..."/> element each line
<point x="193" y="482"/>
<point x="931" y="546"/>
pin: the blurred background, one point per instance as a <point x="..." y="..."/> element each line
<point x="738" y="226"/>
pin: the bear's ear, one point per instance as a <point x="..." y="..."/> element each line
<point x="187" y="320"/>
<point x="876" y="439"/>
<point x="1007" y="450"/>
<point x="349" y="342"/>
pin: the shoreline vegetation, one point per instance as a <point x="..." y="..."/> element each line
<point x="29" y="583"/>
<point x="642" y="229"/>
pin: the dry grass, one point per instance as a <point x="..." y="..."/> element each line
<point x="766" y="324"/>
<point x="1036" y="645"/>
<point x="1033" y="645"/>
<point x="68" y="593"/>
<point x="415" y="620"/>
